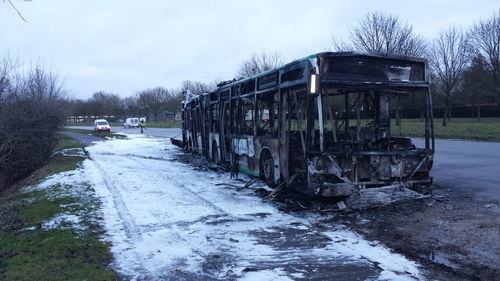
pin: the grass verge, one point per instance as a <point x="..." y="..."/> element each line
<point x="50" y="227"/>
<point x="487" y="129"/>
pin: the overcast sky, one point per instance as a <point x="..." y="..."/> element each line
<point x="126" y="46"/>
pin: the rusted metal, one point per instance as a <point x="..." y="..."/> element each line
<point x="324" y="120"/>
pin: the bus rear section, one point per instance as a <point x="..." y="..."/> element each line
<point x="356" y="145"/>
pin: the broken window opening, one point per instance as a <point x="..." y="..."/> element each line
<point x="362" y="120"/>
<point x="214" y="118"/>
<point x="247" y="115"/>
<point x="267" y="114"/>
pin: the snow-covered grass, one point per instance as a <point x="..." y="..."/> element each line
<point x="50" y="229"/>
<point x="169" y="220"/>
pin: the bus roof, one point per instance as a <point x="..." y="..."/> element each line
<point x="323" y="54"/>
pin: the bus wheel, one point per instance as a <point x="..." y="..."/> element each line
<point x="215" y="154"/>
<point x="267" y="168"/>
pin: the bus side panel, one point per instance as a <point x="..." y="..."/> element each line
<point x="244" y="153"/>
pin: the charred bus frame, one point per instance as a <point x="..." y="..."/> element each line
<point x="321" y="124"/>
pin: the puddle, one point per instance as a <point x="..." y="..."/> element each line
<point x="440" y="258"/>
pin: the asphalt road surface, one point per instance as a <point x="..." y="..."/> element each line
<point x="85" y="139"/>
<point x="152" y="132"/>
<point x="470" y="167"/>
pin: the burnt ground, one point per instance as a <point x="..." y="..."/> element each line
<point x="451" y="232"/>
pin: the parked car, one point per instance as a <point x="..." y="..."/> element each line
<point x="131" y="123"/>
<point x="101" y="125"/>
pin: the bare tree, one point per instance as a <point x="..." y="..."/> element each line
<point x="197" y="87"/>
<point x="42" y="83"/>
<point x="449" y="60"/>
<point x="485" y="37"/>
<point x="384" y="33"/>
<point x="31" y="112"/>
<point x="148" y="102"/>
<point x="5" y="74"/>
<point x="131" y="106"/>
<point x="261" y="62"/>
<point x="173" y="104"/>
<point x="102" y="103"/>
<point x="160" y="99"/>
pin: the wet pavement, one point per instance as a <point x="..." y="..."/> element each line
<point x="85" y="139"/>
<point x="152" y="132"/>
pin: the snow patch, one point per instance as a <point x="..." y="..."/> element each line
<point x="60" y="221"/>
<point x="72" y="183"/>
<point x="392" y="264"/>
<point x="70" y="152"/>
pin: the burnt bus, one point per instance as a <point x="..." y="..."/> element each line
<point x="330" y="124"/>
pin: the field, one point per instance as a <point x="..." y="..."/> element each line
<point x="487" y="129"/>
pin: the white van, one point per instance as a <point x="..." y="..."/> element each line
<point x="131" y="123"/>
<point x="101" y="125"/>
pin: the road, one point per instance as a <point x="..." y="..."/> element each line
<point x="152" y="132"/>
<point x="85" y="139"/>
<point x="468" y="167"/>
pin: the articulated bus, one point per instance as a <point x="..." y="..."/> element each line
<point x="327" y="125"/>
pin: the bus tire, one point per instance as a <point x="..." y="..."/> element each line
<point x="267" y="168"/>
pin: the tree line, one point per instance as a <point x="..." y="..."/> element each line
<point x="152" y="103"/>
<point x="464" y="63"/>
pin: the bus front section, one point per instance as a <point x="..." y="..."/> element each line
<point x="361" y="111"/>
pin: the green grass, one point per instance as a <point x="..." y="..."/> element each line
<point x="97" y="134"/>
<point x="30" y="252"/>
<point x="64" y="142"/>
<point x="58" y="163"/>
<point x="487" y="129"/>
<point x="159" y="124"/>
